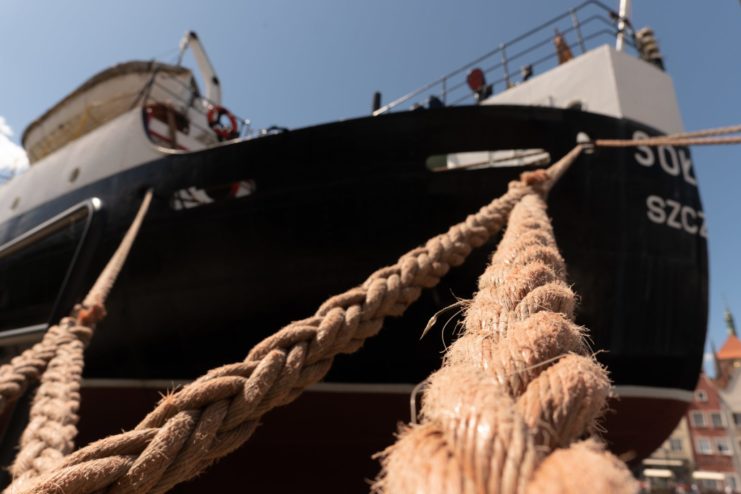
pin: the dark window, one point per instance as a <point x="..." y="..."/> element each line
<point x="716" y="419"/>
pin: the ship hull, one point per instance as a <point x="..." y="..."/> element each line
<point x="333" y="203"/>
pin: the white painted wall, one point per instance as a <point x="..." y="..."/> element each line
<point x="111" y="148"/>
<point x="604" y="81"/>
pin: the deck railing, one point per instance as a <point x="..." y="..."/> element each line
<point x="585" y="26"/>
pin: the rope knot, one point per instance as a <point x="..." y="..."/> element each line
<point x="89" y="315"/>
<point x="538" y="180"/>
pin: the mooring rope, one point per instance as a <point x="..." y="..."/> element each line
<point x="715" y="131"/>
<point x="215" y="414"/>
<point x="27" y="367"/>
<point x="693" y="138"/>
<point x="516" y="384"/>
<point x="666" y="141"/>
<point x="58" y="361"/>
<point x="524" y="363"/>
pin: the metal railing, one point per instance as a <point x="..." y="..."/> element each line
<point x="587" y="25"/>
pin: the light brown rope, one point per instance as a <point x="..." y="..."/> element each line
<point x="666" y="141"/>
<point x="518" y="383"/>
<point x="58" y="361"/>
<point x="693" y="138"/>
<point x="102" y="287"/>
<point x="218" y="412"/>
<point x="28" y="367"/>
<point x="716" y="131"/>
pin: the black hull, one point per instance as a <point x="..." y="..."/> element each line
<point x="333" y="203"/>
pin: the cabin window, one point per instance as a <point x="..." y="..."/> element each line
<point x="489" y="159"/>
<point x="708" y="485"/>
<point x="675" y="444"/>
<point x="168" y="115"/>
<point x="697" y="419"/>
<point x="41" y="258"/>
<point x="732" y="482"/>
<point x="724" y="446"/>
<point x="193" y="197"/>
<point x="716" y="419"/>
<point x="701" y="395"/>
<point x="737" y="419"/>
<point x="703" y="446"/>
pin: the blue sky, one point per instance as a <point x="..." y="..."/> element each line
<point x="296" y="63"/>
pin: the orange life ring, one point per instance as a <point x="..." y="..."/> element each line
<point x="224" y="132"/>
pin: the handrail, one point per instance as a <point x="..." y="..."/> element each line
<point x="92" y="206"/>
<point x="23" y="336"/>
<point x="82" y="211"/>
<point x="68" y="216"/>
<point x="576" y="26"/>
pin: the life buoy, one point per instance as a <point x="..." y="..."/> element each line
<point x="224" y="132"/>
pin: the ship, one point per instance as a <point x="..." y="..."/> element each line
<point x="249" y="230"/>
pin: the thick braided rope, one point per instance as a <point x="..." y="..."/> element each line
<point x="517" y="383"/>
<point x="58" y="362"/>
<point x="26" y="368"/>
<point x="217" y="413"/>
<point x="51" y="430"/>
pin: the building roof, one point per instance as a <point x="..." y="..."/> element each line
<point x="731" y="349"/>
<point x="118" y="70"/>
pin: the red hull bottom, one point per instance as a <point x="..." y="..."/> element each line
<point x="325" y="440"/>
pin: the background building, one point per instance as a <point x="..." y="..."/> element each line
<point x="703" y="454"/>
<point x="670" y="467"/>
<point x="713" y="451"/>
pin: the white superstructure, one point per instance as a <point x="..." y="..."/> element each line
<point x="603" y="80"/>
<point x="126" y="115"/>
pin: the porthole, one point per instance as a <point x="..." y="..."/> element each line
<point x="15" y="203"/>
<point x="74" y="174"/>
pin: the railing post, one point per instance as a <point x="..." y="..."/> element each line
<point x="577" y="28"/>
<point x="624" y="14"/>
<point x="445" y="91"/>
<point x="502" y="49"/>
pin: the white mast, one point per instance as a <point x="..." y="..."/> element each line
<point x="210" y="80"/>
<point x="624" y="14"/>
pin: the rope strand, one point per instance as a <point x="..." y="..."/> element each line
<point x="58" y="359"/>
<point x="215" y="414"/>
<point x="666" y="141"/>
<point x="518" y="383"/>
<point x="693" y="138"/>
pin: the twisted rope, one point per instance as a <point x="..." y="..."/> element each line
<point x="28" y="367"/>
<point x="517" y="383"/>
<point x="716" y="131"/>
<point x="666" y="141"/>
<point x="58" y="361"/>
<point x="217" y="413"/>
<point x="697" y="137"/>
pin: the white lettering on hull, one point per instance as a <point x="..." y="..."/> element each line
<point x="676" y="163"/>
<point x="676" y="215"/>
<point x="672" y="161"/>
